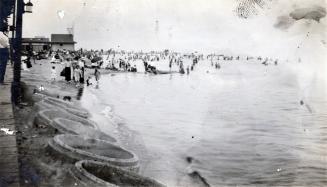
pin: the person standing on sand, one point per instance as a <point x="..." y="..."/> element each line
<point x="53" y="59"/>
<point x="67" y="71"/>
<point x="97" y="74"/>
<point x="81" y="65"/>
<point x="53" y="73"/>
<point x="77" y="74"/>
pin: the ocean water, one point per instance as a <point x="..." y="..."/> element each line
<point x="241" y="125"/>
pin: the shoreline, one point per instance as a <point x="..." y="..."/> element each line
<point x="37" y="165"/>
<point x="110" y="122"/>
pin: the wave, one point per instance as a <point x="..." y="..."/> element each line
<point x="108" y="113"/>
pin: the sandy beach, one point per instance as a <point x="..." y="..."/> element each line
<point x="163" y="93"/>
<point x="193" y="156"/>
<point x="38" y="165"/>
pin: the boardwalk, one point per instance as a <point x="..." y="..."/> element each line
<point x="9" y="173"/>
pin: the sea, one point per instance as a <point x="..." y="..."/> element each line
<point x="245" y="124"/>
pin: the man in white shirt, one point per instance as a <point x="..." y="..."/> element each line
<point x="4" y="54"/>
<point x="4" y="41"/>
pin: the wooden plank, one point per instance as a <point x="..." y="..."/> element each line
<point x="8" y="139"/>
<point x="9" y="158"/>
<point x="7" y="146"/>
<point x="9" y="168"/>
<point x="11" y="178"/>
<point x="7" y="122"/>
<point x="8" y="151"/>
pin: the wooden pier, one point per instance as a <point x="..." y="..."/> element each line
<point x="9" y="169"/>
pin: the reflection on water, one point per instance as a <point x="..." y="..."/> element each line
<point x="80" y="93"/>
<point x="242" y="124"/>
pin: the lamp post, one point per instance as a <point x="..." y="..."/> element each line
<point x="29" y="7"/>
<point x="21" y="8"/>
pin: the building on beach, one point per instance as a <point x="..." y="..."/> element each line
<point x="36" y="44"/>
<point x="62" y="41"/>
<point x="40" y="43"/>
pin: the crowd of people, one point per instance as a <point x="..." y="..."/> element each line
<point x="76" y="62"/>
<point x="125" y="61"/>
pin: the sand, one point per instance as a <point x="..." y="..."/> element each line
<point x="37" y="166"/>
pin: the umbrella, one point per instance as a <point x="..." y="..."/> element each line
<point x="96" y="59"/>
<point x="86" y="61"/>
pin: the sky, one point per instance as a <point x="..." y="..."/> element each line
<point x="182" y="25"/>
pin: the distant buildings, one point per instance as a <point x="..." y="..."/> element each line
<point x="62" y="41"/>
<point x="37" y="44"/>
<point x="58" y="41"/>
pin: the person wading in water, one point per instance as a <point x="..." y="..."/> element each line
<point x="97" y="74"/>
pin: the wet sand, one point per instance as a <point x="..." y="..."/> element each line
<point x="37" y="166"/>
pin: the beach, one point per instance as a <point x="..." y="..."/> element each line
<point x="200" y="129"/>
<point x="163" y="93"/>
<point x="240" y="125"/>
<point x="39" y="165"/>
